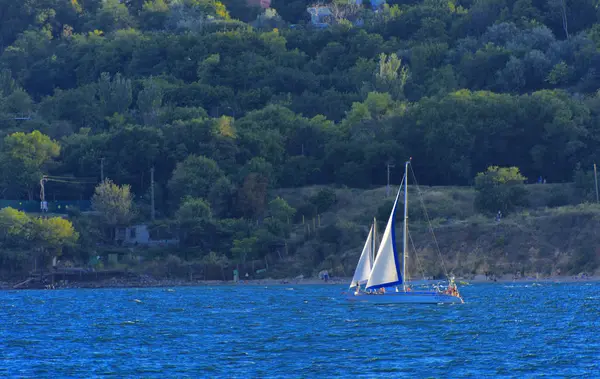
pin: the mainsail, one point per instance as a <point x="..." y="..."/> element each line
<point x="363" y="269"/>
<point x="387" y="269"/>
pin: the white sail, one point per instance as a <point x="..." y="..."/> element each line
<point x="363" y="268"/>
<point x="387" y="266"/>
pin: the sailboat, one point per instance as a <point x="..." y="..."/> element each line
<point x="386" y="282"/>
<point x="367" y="257"/>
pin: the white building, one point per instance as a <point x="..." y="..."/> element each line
<point x="319" y="15"/>
<point x="139" y="235"/>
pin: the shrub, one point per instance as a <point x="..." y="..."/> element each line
<point x="500" y="189"/>
<point x="324" y="200"/>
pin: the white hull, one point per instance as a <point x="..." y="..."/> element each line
<point x="412" y="297"/>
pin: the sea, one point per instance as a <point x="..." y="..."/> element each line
<point x="509" y="330"/>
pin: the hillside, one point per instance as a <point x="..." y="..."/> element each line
<point x="543" y="239"/>
<point x="184" y="119"/>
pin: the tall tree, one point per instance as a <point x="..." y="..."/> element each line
<point x="500" y="189"/>
<point x="194" y="177"/>
<point x="24" y="158"/>
<point x="114" y="203"/>
<point x="149" y="101"/>
<point x="50" y="236"/>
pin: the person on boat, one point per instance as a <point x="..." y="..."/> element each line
<point x="452" y="290"/>
<point x="357" y="288"/>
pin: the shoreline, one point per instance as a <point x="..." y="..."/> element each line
<point x="166" y="283"/>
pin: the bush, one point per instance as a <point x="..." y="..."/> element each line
<point x="324" y="200"/>
<point x="584" y="184"/>
<point x="500" y="189"/>
<point x="558" y="197"/>
<point x="308" y="210"/>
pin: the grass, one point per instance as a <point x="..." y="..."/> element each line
<point x="554" y="233"/>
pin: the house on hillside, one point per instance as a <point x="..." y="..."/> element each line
<point x="320" y="16"/>
<point x="140" y="235"/>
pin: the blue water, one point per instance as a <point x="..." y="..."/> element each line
<point x="503" y="330"/>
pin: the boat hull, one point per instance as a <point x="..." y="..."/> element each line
<point x="415" y="297"/>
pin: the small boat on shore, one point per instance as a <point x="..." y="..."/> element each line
<point x="387" y="280"/>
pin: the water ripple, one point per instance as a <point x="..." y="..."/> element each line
<point x="507" y="331"/>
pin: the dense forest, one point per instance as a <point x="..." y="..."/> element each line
<point x="223" y="102"/>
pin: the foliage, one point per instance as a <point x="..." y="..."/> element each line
<point x="242" y="249"/>
<point x="323" y="200"/>
<point x="280" y="210"/>
<point x="39" y="236"/>
<point x="14" y="226"/>
<point x="252" y="195"/>
<point x="585" y="184"/>
<point x="194" y="177"/>
<point x="193" y="209"/>
<point x="53" y="234"/>
<point x="194" y="222"/>
<point x="227" y="101"/>
<point x="23" y="160"/>
<point x="500" y="189"/>
<point x="114" y="203"/>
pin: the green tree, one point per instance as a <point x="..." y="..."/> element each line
<point x="192" y="209"/>
<point x="154" y="14"/>
<point x="220" y="197"/>
<point x="113" y="15"/>
<point x="251" y="196"/>
<point x="23" y="160"/>
<point x="323" y="200"/>
<point x="51" y="235"/>
<point x="42" y="236"/>
<point x="14" y="227"/>
<point x="391" y="76"/>
<point x="114" y="203"/>
<point x="8" y="85"/>
<point x="114" y="94"/>
<point x="584" y="184"/>
<point x="194" y="218"/>
<point x="280" y="210"/>
<point x="244" y="248"/>
<point x="500" y="189"/>
<point x="194" y="177"/>
<point x="149" y="101"/>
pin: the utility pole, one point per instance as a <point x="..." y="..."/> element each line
<point x="389" y="165"/>
<point x="152" y="190"/>
<point x="102" y="169"/>
<point x="596" y="181"/>
<point x="43" y="203"/>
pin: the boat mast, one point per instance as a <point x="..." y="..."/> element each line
<point x="374" y="238"/>
<point x="405" y="228"/>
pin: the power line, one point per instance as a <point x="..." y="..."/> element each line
<point x="75" y="178"/>
<point x="72" y="181"/>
